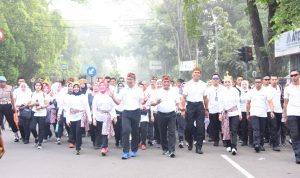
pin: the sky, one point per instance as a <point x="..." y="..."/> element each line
<point x="117" y="15"/>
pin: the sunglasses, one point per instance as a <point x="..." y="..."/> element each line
<point x="257" y="82"/>
<point x="267" y="79"/>
<point x="215" y="78"/>
<point x="294" y="75"/>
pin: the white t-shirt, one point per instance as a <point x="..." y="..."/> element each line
<point x="230" y="97"/>
<point x="41" y="98"/>
<point x="213" y="94"/>
<point x="292" y="93"/>
<point x="103" y="102"/>
<point x="22" y="97"/>
<point x="169" y="99"/>
<point x="258" y="105"/>
<point x="195" y="91"/>
<point x="270" y="91"/>
<point x="276" y="96"/>
<point x="243" y="99"/>
<point x="79" y="102"/>
<point x="131" y="98"/>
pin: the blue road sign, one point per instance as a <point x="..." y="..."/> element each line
<point x="91" y="71"/>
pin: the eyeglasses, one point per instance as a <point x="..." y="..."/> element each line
<point x="294" y="75"/>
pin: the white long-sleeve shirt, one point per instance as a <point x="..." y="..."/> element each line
<point x="230" y="98"/>
<point x="103" y="102"/>
<point x="78" y="103"/>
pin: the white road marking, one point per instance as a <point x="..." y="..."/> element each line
<point x="238" y="167"/>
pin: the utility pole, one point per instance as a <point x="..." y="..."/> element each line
<point x="217" y="49"/>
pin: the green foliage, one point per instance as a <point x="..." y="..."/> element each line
<point x="34" y="40"/>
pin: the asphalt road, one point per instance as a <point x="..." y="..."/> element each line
<point x="59" y="161"/>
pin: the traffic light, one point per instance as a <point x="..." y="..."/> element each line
<point x="242" y="54"/>
<point x="245" y="54"/>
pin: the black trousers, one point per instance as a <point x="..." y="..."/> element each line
<point x="244" y="128"/>
<point x="167" y="128"/>
<point x="48" y="132"/>
<point x="101" y="141"/>
<point x="215" y="126"/>
<point x="76" y="134"/>
<point x="6" y="110"/>
<point x="258" y="125"/>
<point x="156" y="129"/>
<point x="118" y="129"/>
<point x="40" y="121"/>
<point x="294" y="126"/>
<point x="181" y="124"/>
<point x="233" y="126"/>
<point x="275" y="129"/>
<point x="195" y="112"/>
<point x="143" y="132"/>
<point x="150" y="134"/>
<point x="24" y="127"/>
<point x="268" y="133"/>
<point x="92" y="132"/>
<point x="60" y="130"/>
<point x="130" y="124"/>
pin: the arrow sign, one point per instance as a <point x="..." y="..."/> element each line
<point x="91" y="71"/>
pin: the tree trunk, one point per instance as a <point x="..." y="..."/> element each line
<point x="258" y="38"/>
<point x="274" y="65"/>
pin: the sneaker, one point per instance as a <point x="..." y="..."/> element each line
<point x="257" y="148"/>
<point x="181" y="144"/>
<point x="150" y="143"/>
<point x="125" y="155"/>
<point x="172" y="155"/>
<point x="199" y="151"/>
<point x="104" y="151"/>
<point x="35" y="142"/>
<point x="58" y="141"/>
<point x="143" y="147"/>
<point x="71" y="145"/>
<point x="276" y="148"/>
<point x="165" y="152"/>
<point x="228" y="149"/>
<point x="133" y="154"/>
<point x="233" y="151"/>
<point x="16" y="139"/>
<point x="290" y="142"/>
<point x="26" y="141"/>
<point x="77" y="152"/>
<point x="39" y="147"/>
<point x="297" y="160"/>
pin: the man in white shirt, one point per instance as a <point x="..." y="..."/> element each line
<point x="257" y="106"/>
<point x="194" y="95"/>
<point x="132" y="98"/>
<point x="167" y="101"/>
<point x="213" y="96"/>
<point x="291" y="110"/>
<point x="276" y="122"/>
<point x="266" y="85"/>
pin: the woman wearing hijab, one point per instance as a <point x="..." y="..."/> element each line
<point x="79" y="115"/>
<point x="92" y="127"/>
<point x="22" y="98"/>
<point x="103" y="115"/>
